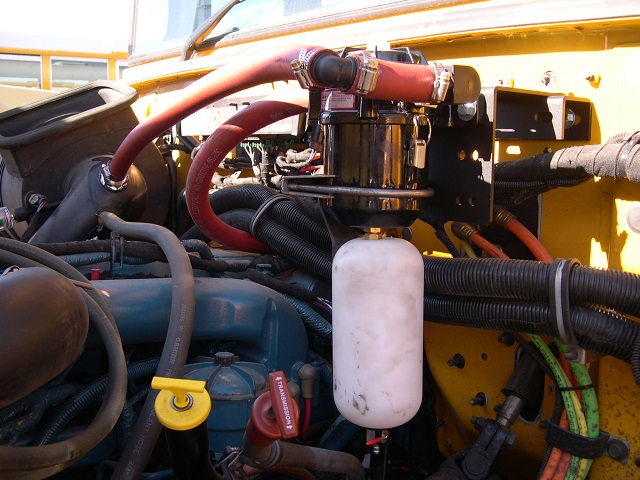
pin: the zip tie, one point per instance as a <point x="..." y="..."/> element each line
<point x="560" y="307"/>
<point x="262" y="209"/>
<point x="554" y="388"/>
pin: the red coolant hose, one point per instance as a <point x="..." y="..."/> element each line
<point x="244" y="123"/>
<point x="233" y="77"/>
<point x="396" y="81"/>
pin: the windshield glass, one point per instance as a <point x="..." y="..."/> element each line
<point x="166" y="24"/>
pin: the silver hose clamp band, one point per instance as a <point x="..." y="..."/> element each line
<point x="108" y="181"/>
<point x="441" y="82"/>
<point x="368" y="73"/>
<point x="301" y="68"/>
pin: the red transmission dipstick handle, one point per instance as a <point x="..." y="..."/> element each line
<point x="274" y="414"/>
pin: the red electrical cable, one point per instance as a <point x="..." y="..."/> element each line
<point x="529" y="240"/>
<point x="304" y="431"/>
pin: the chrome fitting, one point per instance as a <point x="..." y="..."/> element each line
<point x="302" y="74"/>
<point x="369" y="73"/>
<point x="108" y="181"/>
<point x="441" y="82"/>
<point x="301" y="68"/>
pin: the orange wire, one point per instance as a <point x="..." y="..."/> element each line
<point x="556" y="454"/>
<point x="559" y="461"/>
<point x="529" y="239"/>
<point x="488" y="247"/>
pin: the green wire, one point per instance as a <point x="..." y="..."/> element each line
<point x="589" y="400"/>
<point x="563" y="382"/>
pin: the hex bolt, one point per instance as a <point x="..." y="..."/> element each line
<point x="480" y="400"/>
<point x="456" y="361"/>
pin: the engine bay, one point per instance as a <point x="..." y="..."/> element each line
<point x="369" y="285"/>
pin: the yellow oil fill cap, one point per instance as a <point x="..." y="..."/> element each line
<point x="181" y="404"/>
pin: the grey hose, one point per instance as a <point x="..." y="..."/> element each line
<point x="174" y="354"/>
<point x="42" y="461"/>
<point x="284" y="454"/>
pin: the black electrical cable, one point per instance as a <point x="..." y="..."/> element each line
<point x="441" y="235"/>
<point x="142" y="250"/>
<point x="79" y="401"/>
<point x="48" y="260"/>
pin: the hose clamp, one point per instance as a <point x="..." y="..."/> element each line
<point x="631" y="142"/>
<point x="441" y="82"/>
<point x="368" y="74"/>
<point x="300" y="67"/>
<point x="108" y="181"/>
<point x="560" y="308"/>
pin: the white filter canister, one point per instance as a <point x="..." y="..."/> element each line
<point x="378" y="290"/>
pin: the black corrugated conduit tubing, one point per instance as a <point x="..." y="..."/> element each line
<point x="81" y="400"/>
<point x="282" y="240"/>
<point x="601" y="331"/>
<point x="527" y="279"/>
<point x="288" y="213"/>
<point x="174" y="353"/>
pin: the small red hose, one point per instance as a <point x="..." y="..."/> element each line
<point x="486" y="246"/>
<point x="529" y="240"/>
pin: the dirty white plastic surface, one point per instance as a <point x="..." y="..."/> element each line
<point x="378" y="290"/>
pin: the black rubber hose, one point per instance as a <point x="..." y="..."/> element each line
<point x="38" y="462"/>
<point x="174" y="354"/>
<point x="601" y="331"/>
<point x="48" y="260"/>
<point x="529" y="280"/>
<point x="83" y="399"/>
<point x="282" y="240"/>
<point x="287" y="213"/>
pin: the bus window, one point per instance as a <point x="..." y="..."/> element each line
<point x="21" y="70"/>
<point x="73" y="72"/>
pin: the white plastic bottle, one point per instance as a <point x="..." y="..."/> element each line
<point x="378" y="289"/>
